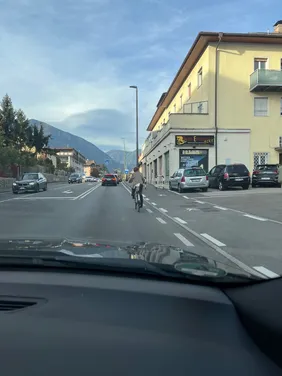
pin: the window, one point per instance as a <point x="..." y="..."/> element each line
<point x="280" y="141"/>
<point x="280" y="106"/>
<point x="194" y="172"/>
<point x="200" y="77"/>
<point x="169" y="113"/>
<point x="240" y="169"/>
<point x="174" y="108"/>
<point x="260" y="63"/>
<point x="200" y="108"/>
<point x="281" y="64"/>
<point x="260" y="159"/>
<point x="189" y="91"/>
<point x="261" y="106"/>
<point x="181" y="101"/>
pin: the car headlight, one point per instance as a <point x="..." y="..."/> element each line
<point x="15" y="184"/>
<point x="31" y="183"/>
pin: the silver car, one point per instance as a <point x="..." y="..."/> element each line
<point x="189" y="178"/>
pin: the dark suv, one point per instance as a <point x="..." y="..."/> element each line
<point x="266" y="175"/>
<point x="233" y="175"/>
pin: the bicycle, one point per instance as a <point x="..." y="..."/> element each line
<point x="137" y="198"/>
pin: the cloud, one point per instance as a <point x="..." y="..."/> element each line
<point x="71" y="62"/>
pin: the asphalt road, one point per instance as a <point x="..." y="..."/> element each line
<point x="240" y="228"/>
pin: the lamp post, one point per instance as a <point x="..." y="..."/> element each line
<point x="137" y="147"/>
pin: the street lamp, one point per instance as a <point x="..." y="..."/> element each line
<point x="137" y="147"/>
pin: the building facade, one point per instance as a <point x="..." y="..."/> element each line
<point x="72" y="158"/>
<point x="223" y="106"/>
<point x="88" y="167"/>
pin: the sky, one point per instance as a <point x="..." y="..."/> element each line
<point x="70" y="62"/>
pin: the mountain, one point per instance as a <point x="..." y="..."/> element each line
<point x="61" y="138"/>
<point x="118" y="156"/>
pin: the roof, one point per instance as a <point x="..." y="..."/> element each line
<point x="204" y="38"/>
<point x="90" y="162"/>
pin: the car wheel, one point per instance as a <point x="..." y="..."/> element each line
<point x="246" y="186"/>
<point x="45" y="189"/>
<point x="254" y="185"/>
<point x="169" y="186"/>
<point x="37" y="189"/>
<point x="204" y="189"/>
<point x="279" y="185"/>
<point x="221" y="187"/>
<point x="15" y="193"/>
<point x="180" y="190"/>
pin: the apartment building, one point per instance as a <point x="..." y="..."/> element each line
<point x="223" y="106"/>
<point x="72" y="158"/>
<point x="88" y="167"/>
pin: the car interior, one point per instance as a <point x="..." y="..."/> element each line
<point x="56" y="322"/>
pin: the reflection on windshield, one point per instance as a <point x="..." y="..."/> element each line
<point x="30" y="176"/>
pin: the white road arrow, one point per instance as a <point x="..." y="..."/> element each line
<point x="68" y="192"/>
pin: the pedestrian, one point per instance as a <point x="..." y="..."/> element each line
<point x="280" y="175"/>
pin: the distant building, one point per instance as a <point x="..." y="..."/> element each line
<point x="72" y="158"/>
<point x="89" y="165"/>
<point x="50" y="154"/>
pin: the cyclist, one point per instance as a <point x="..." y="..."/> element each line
<point x="137" y="178"/>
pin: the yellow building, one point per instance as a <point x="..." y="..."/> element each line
<point x="223" y="106"/>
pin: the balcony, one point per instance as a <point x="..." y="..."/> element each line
<point x="266" y="80"/>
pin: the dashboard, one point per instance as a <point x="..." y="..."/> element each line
<point x="54" y="323"/>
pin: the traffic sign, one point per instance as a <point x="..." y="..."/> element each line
<point x="126" y="171"/>
<point x="107" y="161"/>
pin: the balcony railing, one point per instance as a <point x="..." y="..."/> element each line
<point x="196" y="108"/>
<point x="266" y="80"/>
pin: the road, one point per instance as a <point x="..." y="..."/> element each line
<point x="240" y="228"/>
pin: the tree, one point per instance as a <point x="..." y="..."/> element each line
<point x="94" y="172"/>
<point x="39" y="140"/>
<point x="7" y="119"/>
<point x="22" y="131"/>
<point x="8" y="154"/>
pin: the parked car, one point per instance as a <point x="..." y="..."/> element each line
<point x="90" y="179"/>
<point x="30" y="182"/>
<point x="226" y="176"/>
<point x="109" y="179"/>
<point x="189" y="178"/>
<point x="75" y="178"/>
<point x="265" y="175"/>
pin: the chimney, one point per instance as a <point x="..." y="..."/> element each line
<point x="278" y="27"/>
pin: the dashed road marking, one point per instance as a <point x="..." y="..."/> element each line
<point x="161" y="220"/>
<point x="200" y="202"/>
<point x="149" y="211"/>
<point x="184" y="240"/>
<point x="153" y="203"/>
<point x="180" y="220"/>
<point x="266" y="271"/>
<point x="163" y="210"/>
<point x="220" y="207"/>
<point x="187" y="198"/>
<point x="213" y="240"/>
<point x="255" y="217"/>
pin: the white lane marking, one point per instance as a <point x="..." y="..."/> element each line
<point x="184" y="240"/>
<point x="88" y="192"/>
<point x="161" y="220"/>
<point x="149" y="211"/>
<point x="153" y="203"/>
<point x="144" y="196"/>
<point x="163" y="210"/>
<point x="266" y="271"/>
<point x="200" y="202"/>
<point x="180" y="220"/>
<point x="162" y="195"/>
<point x="147" y="199"/>
<point x="214" y="247"/>
<point x="68" y="192"/>
<point x="255" y="217"/>
<point x="213" y="240"/>
<point x="192" y="209"/>
<point x="187" y="198"/>
<point x="220" y="207"/>
<point x="11" y="199"/>
<point x="45" y="198"/>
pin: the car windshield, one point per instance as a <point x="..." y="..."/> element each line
<point x="194" y="172"/>
<point x="125" y="126"/>
<point x="30" y="177"/>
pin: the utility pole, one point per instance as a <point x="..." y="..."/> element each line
<point x="124" y="155"/>
<point x="136" y="119"/>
